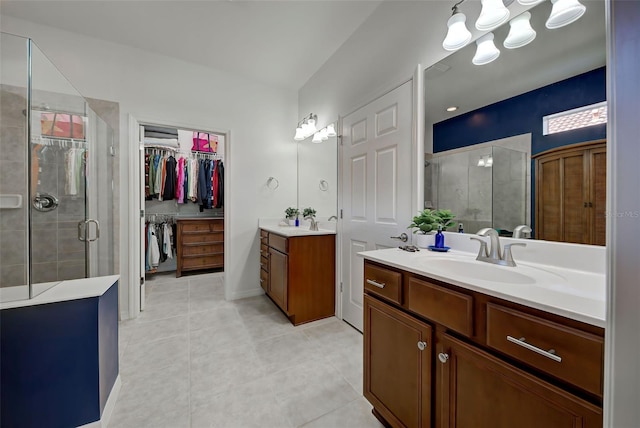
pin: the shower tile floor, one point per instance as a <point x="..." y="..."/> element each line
<point x="193" y="359"/>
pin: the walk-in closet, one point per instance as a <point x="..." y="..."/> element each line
<point x="182" y="172"/>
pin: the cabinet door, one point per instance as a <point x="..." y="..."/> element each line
<point x="397" y="365"/>
<point x="598" y="195"/>
<point x="575" y="182"/>
<point x="278" y="277"/>
<point x="476" y="389"/>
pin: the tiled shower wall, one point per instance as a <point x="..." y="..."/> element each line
<point x="13" y="180"/>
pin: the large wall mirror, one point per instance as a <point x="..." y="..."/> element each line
<point x="482" y="159"/>
<point x="318" y="176"/>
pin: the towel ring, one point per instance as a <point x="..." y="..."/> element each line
<point x="324" y="185"/>
<point x="273" y="183"/>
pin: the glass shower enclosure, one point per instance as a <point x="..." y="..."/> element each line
<point x="484" y="187"/>
<point x="56" y="177"/>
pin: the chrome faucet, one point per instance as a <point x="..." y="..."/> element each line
<point x="521" y="230"/>
<point x="333" y="217"/>
<point x="494" y="254"/>
<point x="314" y="223"/>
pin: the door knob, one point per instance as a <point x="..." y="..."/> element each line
<point x="422" y="345"/>
<point x="443" y="357"/>
<point x="403" y="237"/>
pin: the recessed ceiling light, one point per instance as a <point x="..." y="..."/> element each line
<point x="452" y="108"/>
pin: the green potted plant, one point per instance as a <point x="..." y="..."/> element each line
<point x="291" y="215"/>
<point x="310" y="214"/>
<point x="427" y="221"/>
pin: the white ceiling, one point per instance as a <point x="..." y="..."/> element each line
<point x="281" y="43"/>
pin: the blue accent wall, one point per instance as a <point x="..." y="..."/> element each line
<point x="523" y="114"/>
<point x="58" y="361"/>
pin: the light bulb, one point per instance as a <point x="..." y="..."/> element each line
<point x="520" y="33"/>
<point x="493" y="14"/>
<point x="457" y="36"/>
<point x="299" y="134"/>
<point x="331" y="130"/>
<point x="316" y="138"/>
<point x="486" y="50"/>
<point x="564" y="12"/>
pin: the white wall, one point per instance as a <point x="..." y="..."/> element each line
<point x="260" y="119"/>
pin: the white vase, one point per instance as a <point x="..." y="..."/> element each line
<point x="291" y="221"/>
<point x="421" y="240"/>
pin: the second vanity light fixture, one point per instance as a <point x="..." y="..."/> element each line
<point x="493" y="14"/>
<point x="307" y="127"/>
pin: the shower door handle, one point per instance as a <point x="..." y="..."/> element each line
<point x="97" y="229"/>
<point x="82" y="230"/>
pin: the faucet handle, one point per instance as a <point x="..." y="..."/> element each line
<point x="484" y="251"/>
<point x="508" y="257"/>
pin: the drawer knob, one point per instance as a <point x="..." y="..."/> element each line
<point x="375" y="283"/>
<point x="443" y="357"/>
<point x="551" y="353"/>
<point x="422" y="345"/>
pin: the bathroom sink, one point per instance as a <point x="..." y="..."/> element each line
<point x="481" y="271"/>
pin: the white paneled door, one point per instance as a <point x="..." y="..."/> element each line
<point x="376" y="187"/>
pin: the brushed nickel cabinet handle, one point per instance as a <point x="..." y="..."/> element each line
<point x="422" y="345"/>
<point x="376" y="284"/>
<point x="551" y="353"/>
<point x="443" y="357"/>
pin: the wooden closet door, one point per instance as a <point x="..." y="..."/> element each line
<point x="575" y="185"/>
<point x="598" y="195"/>
<point x="549" y="199"/>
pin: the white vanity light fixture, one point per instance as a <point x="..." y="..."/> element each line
<point x="458" y="35"/>
<point x="306" y="127"/>
<point x="331" y="130"/>
<point x="486" y="50"/>
<point x="521" y="33"/>
<point x="530" y="2"/>
<point x="493" y="14"/>
<point x="564" y="12"/>
<point x="324" y="135"/>
<point x="317" y="138"/>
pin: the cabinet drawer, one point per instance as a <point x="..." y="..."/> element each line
<point x="202" y="226"/>
<point x="441" y="305"/>
<point x="202" y="237"/>
<point x="264" y="249"/>
<point x="383" y="282"/>
<point x="264" y="235"/>
<point x="207" y="249"/>
<point x="564" y="352"/>
<point x="278" y="242"/>
<point x="264" y="263"/>
<point x="264" y="279"/>
<point x="203" y="262"/>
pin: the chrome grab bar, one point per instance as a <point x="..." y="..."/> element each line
<point x="551" y="353"/>
<point x="376" y="284"/>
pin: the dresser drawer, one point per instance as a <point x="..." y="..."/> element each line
<point x="264" y="249"/>
<point x="200" y="250"/>
<point x="569" y="354"/>
<point x="441" y="305"/>
<point x="383" y="282"/>
<point x="278" y="242"/>
<point x="202" y="226"/>
<point x="202" y="237"/>
<point x="203" y="262"/>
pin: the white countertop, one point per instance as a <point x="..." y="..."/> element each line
<point x="290" y="231"/>
<point x="67" y="290"/>
<point x="574" y="294"/>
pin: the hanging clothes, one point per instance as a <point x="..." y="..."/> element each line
<point x="169" y="188"/>
<point x="180" y="181"/>
<point x="220" y="190"/>
<point x="167" y="241"/>
<point x="204" y="184"/>
<point x="214" y="184"/>
<point x="154" y="249"/>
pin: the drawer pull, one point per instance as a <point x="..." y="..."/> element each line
<point x="422" y="345"/>
<point x="443" y="357"/>
<point x="551" y="353"/>
<point x="376" y="284"/>
<point x="261" y="280"/>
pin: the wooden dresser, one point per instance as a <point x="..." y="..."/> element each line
<point x="200" y="244"/>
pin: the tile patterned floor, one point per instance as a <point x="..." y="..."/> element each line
<point x="193" y="359"/>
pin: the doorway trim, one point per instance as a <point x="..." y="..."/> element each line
<point x="132" y="252"/>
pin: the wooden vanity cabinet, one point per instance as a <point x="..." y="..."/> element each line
<point x="397" y="354"/>
<point x="477" y="389"/>
<point x="298" y="274"/>
<point x="480" y="377"/>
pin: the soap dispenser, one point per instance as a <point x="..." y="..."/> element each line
<point x="439" y="237"/>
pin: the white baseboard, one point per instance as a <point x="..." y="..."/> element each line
<point x="103" y="422"/>
<point x="246" y="293"/>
